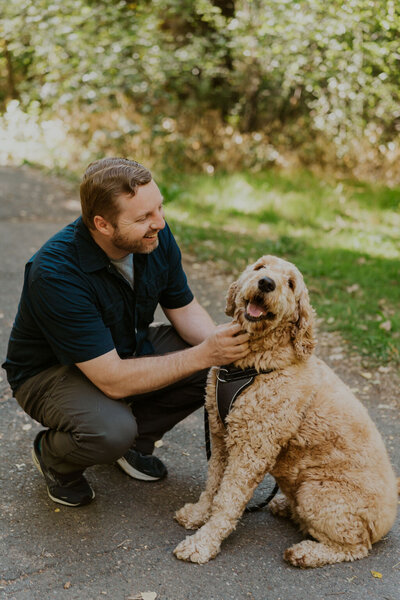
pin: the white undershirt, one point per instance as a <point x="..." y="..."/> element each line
<point x="125" y="267"/>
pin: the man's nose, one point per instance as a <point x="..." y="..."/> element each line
<point x="158" y="222"/>
<point x="266" y="284"/>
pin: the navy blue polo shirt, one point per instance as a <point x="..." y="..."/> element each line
<point x="76" y="306"/>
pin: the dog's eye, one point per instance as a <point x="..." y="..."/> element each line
<point x="258" y="267"/>
<point x="291" y="284"/>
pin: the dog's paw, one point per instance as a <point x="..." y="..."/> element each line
<point x="301" y="555"/>
<point x="280" y="507"/>
<point x="196" y="550"/>
<point x="191" y="516"/>
<point x="313" y="554"/>
<point x="316" y="554"/>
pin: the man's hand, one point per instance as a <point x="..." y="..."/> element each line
<point x="225" y="345"/>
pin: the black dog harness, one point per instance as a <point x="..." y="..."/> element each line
<point x="231" y="382"/>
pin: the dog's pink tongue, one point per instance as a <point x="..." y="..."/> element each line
<point x="254" y="310"/>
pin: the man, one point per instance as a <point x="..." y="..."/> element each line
<point x="83" y="358"/>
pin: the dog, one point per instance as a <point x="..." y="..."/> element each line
<point x="301" y="424"/>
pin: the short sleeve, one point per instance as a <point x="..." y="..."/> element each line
<point x="177" y="292"/>
<point x="69" y="319"/>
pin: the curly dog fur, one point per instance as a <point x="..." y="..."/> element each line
<point x="300" y="423"/>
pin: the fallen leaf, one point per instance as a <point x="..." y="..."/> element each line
<point x="386" y="325"/>
<point x="352" y="288"/>
<point x="27" y="427"/>
<point x="56" y="510"/>
<point x="337" y="356"/>
<point x="366" y="375"/>
<point x="159" y="443"/>
<point x="376" y="574"/>
<point x="67" y="585"/>
<point x="149" y="596"/>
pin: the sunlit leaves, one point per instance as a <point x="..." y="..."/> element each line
<point x="309" y="74"/>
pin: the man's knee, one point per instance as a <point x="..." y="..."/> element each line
<point x="111" y="437"/>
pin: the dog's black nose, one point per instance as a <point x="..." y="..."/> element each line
<point x="266" y="284"/>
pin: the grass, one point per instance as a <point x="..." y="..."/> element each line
<point x="343" y="235"/>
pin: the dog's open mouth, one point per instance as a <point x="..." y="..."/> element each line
<point x="256" y="311"/>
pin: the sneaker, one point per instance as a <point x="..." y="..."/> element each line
<point x="145" y="467"/>
<point x="70" y="489"/>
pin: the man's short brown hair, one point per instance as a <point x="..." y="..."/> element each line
<point x="106" y="179"/>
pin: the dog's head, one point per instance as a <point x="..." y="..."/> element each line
<point x="270" y="295"/>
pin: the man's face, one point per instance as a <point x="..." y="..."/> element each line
<point x="140" y="220"/>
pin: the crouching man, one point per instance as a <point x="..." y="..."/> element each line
<point x="83" y="358"/>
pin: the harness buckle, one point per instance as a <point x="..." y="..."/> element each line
<point x="221" y="379"/>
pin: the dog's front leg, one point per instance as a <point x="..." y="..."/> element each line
<point x="244" y="471"/>
<point x="194" y="515"/>
<point x="191" y="515"/>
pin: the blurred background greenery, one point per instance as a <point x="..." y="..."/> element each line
<point x="208" y="84"/>
<point x="273" y="125"/>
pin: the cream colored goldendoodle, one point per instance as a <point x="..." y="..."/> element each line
<point x="300" y="423"/>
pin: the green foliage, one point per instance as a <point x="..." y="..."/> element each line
<point x="220" y="82"/>
<point x="341" y="234"/>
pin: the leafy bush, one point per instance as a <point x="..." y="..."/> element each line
<point x="215" y="83"/>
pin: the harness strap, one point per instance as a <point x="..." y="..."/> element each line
<point x="231" y="382"/>
<point x="230" y="373"/>
<point x="227" y="392"/>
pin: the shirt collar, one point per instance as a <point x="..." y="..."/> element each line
<point x="91" y="256"/>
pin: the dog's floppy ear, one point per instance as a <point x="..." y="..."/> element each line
<point x="230" y="299"/>
<point x="303" y="330"/>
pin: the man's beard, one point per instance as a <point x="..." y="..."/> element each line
<point x="122" y="242"/>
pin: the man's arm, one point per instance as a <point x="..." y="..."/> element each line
<point x="192" y="322"/>
<point x="119" y="378"/>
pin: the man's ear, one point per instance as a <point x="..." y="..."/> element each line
<point x="103" y="226"/>
<point x="230" y="299"/>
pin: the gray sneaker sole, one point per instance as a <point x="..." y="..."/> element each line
<point x="134" y="473"/>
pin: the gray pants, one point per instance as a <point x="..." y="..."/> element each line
<point x="85" y="427"/>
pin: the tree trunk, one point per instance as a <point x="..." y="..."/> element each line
<point x="12" y="92"/>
